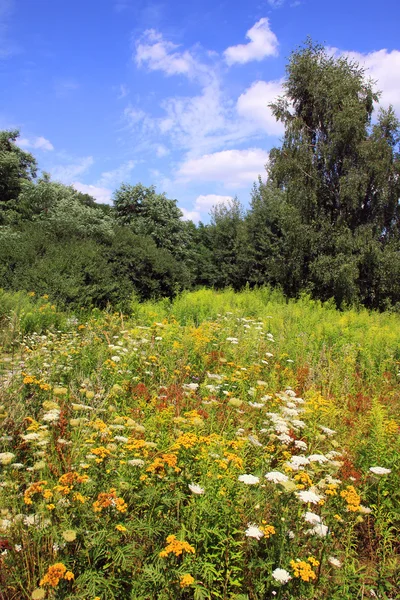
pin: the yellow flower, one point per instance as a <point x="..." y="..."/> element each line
<point x="186" y="580"/>
<point x="120" y="528"/>
<point x="176" y="547"/>
<point x="69" y="535"/>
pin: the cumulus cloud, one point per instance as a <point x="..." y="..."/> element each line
<point x="101" y="194"/>
<point x="232" y="168"/>
<point x="158" y="54"/>
<point x="383" y="66"/>
<point x="38" y="143"/>
<point x="118" y="175"/>
<point x="202" y="206"/>
<point x="67" y="173"/>
<point x="253" y="105"/>
<point x="263" y="42"/>
<point x="206" y="203"/>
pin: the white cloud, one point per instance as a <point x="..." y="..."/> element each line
<point x="384" y="67"/>
<point x="118" y="175"/>
<point x="39" y="143"/>
<point x="161" y="55"/>
<point x="101" y="194"/>
<point x="205" y="203"/>
<point x="253" y="105"/>
<point x="123" y="91"/>
<point x="67" y="173"/>
<point x="190" y="215"/>
<point x="263" y="42"/>
<point x="161" y="151"/>
<point x="232" y="168"/>
<point x="275" y="3"/>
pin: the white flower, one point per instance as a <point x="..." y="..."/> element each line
<point x="320" y="529"/>
<point x="17" y="547"/>
<point x="196" y="489"/>
<point x="380" y="470"/>
<point x="6" y="458"/>
<point x="136" y="462"/>
<point x="52" y="416"/>
<point x="298" y="461"/>
<point x="308" y="496"/>
<point x="281" y="575"/>
<point x="285" y="438"/>
<point x="276" y="477"/>
<point x="256" y="404"/>
<point x="300" y="445"/>
<point x="248" y="479"/>
<point x="121" y="438"/>
<point x="190" y="386"/>
<point x="116" y="358"/>
<point x="334" y="562"/>
<point x="254" y="532"/>
<point x="319" y="458"/>
<point x="327" y="431"/>
<point x="312" y="518"/>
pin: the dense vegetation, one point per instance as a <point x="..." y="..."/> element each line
<point x="225" y="445"/>
<point x="327" y="222"/>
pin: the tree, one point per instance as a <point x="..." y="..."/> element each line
<point x="152" y="214"/>
<point x="330" y="162"/>
<point x="340" y="173"/>
<point x="16" y="166"/>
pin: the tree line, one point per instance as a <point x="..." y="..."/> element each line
<point x="326" y="221"/>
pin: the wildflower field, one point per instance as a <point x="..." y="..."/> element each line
<point x="223" y="445"/>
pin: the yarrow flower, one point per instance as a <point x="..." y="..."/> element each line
<point x="249" y="479"/>
<point x="335" y="562"/>
<point x="254" y="532"/>
<point x="196" y="489"/>
<point x="380" y="470"/>
<point x="276" y="477"/>
<point x="308" y="496"/>
<point x="281" y="575"/>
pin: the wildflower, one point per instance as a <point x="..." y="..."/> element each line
<point x="319" y="458"/>
<point x="38" y="594"/>
<point x="249" y="479"/>
<point x="54" y="574"/>
<point x="300" y="445"/>
<point x="327" y="431"/>
<point x="309" y="496"/>
<point x="254" y="532"/>
<point x="281" y="575"/>
<point x="6" y="458"/>
<point x="380" y="470"/>
<point x="319" y="529"/>
<point x="335" y="562"/>
<point x="175" y="546"/>
<point x="136" y="462"/>
<point x="268" y="530"/>
<point x="69" y="535"/>
<point x="276" y="477"/>
<point x="17" y="547"/>
<point x="298" y="461"/>
<point x="186" y="580"/>
<point x="352" y="498"/>
<point x="302" y="570"/>
<point x="312" y="518"/>
<point x="120" y="528"/>
<point x="196" y="489"/>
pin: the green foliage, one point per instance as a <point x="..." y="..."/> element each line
<point x="16" y="166"/>
<point x="151" y="214"/>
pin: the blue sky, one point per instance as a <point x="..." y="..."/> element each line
<point x="170" y="93"/>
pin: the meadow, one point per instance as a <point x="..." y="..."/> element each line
<point x="223" y="445"/>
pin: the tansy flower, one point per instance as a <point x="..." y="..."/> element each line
<point x="186" y="580"/>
